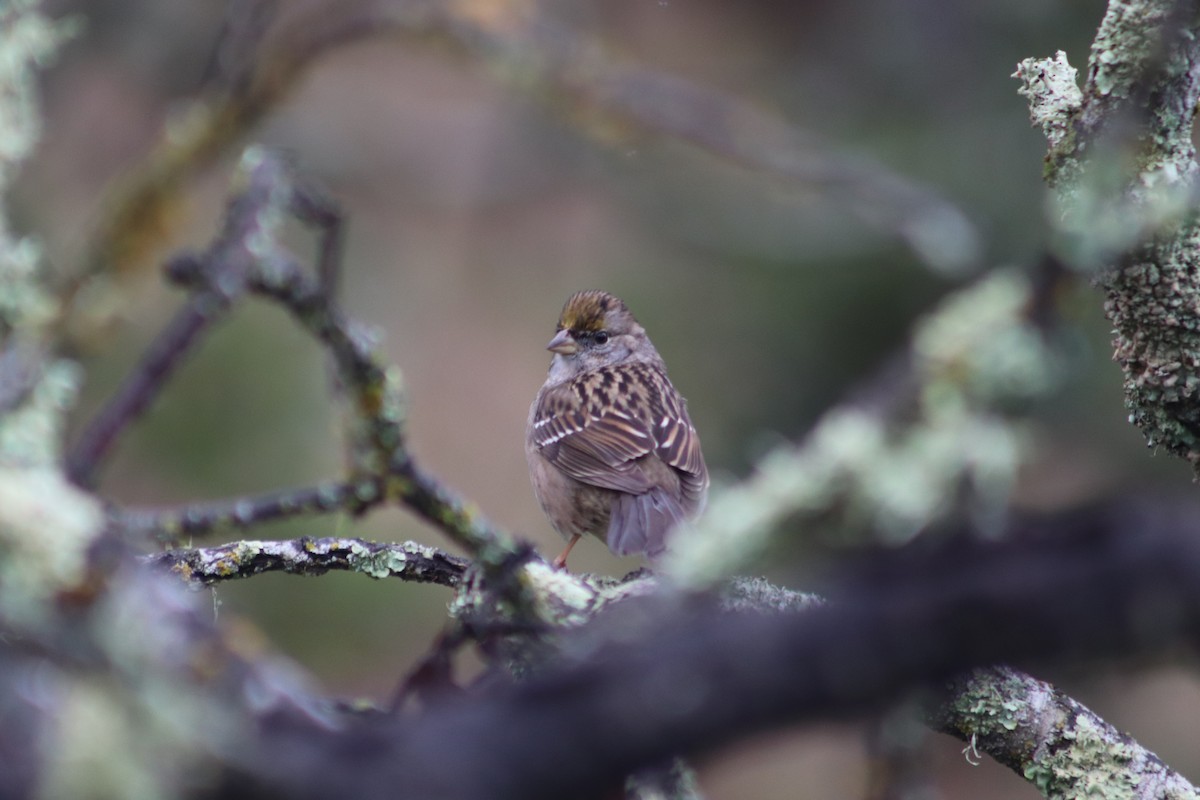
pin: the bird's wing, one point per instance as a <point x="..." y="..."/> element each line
<point x="678" y="444"/>
<point x="600" y="427"/>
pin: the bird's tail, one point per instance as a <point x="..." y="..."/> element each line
<point x="640" y="522"/>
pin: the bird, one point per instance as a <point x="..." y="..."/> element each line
<point x="611" y="449"/>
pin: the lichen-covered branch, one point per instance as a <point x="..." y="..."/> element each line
<point x="1056" y="743"/>
<point x="248" y="257"/>
<point x="893" y="470"/>
<point x="407" y="561"/>
<point x="378" y="448"/>
<point x="664" y="675"/>
<point x="1123" y="168"/>
<point x="1029" y="726"/>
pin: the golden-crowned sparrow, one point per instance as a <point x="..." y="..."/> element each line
<point x="610" y="447"/>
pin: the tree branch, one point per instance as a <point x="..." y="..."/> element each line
<point x="228" y="263"/>
<point x="247" y="256"/>
<point x="671" y="677"/>
<point x="407" y="561"/>
<point x="1123" y="168"/>
<point x="1062" y="747"/>
<point x="198" y="519"/>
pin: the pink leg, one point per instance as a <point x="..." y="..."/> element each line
<point x="561" y="561"/>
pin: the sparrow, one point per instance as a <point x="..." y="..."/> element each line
<point x="611" y="449"/>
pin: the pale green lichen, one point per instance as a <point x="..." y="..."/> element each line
<point x="1101" y="209"/>
<point x="979" y="343"/>
<point x="31" y="434"/>
<point x="88" y="751"/>
<point x="1095" y="765"/>
<point x="1052" y="86"/>
<point x="563" y="599"/>
<point x="394" y="405"/>
<point x="992" y="702"/>
<point x="554" y="597"/>
<point x="263" y="239"/>
<point x="1131" y="199"/>
<point x="1128" y="36"/>
<point x="46" y="525"/>
<point x="243" y="555"/>
<point x="127" y="719"/>
<point x="1059" y="746"/>
<point x="23" y="303"/>
<point x="28" y="40"/>
<point x="677" y="782"/>
<point x="1155" y="307"/>
<point x="740" y="519"/>
<point x="381" y="564"/>
<point x="759" y="595"/>
<point x="167" y="722"/>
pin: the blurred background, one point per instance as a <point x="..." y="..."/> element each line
<point x="474" y="211"/>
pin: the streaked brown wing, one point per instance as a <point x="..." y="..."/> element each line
<point x="679" y="444"/>
<point x="599" y="427"/>
<point x="591" y="446"/>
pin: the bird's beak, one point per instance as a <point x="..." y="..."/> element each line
<point x="563" y="343"/>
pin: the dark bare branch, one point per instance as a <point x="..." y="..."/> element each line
<point x="173" y="524"/>
<point x="227" y="268"/>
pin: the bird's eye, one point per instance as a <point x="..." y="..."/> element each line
<point x="600" y="337"/>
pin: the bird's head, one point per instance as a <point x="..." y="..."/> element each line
<point x="594" y="330"/>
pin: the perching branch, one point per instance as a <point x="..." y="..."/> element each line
<point x="672" y="677"/>
<point x="1102" y="559"/>
<point x="1025" y="724"/>
<point x="408" y="561"/>
<point x="1021" y="722"/>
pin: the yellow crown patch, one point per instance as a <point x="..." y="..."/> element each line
<point x="587" y="311"/>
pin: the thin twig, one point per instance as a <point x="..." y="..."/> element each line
<point x="377" y="442"/>
<point x="248" y="256"/>
<point x="138" y="209"/>
<point x="228" y="265"/>
<point x="433" y="677"/>
<point x="140" y="388"/>
<point x="312" y="206"/>
<point x="235" y="53"/>
<point x="171" y="524"/>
